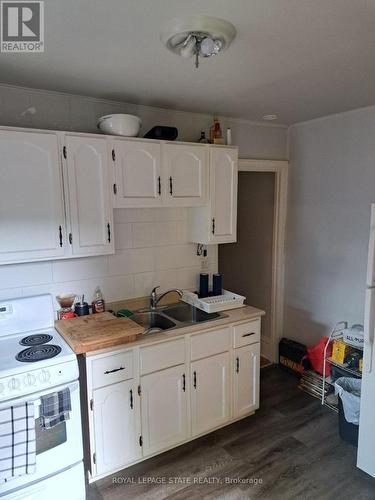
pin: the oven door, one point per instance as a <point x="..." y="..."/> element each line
<point x="58" y="448"/>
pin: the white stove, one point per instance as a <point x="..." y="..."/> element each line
<point x="35" y="361"/>
<point x="33" y="356"/>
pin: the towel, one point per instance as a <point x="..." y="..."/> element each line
<point x="55" y="408"/>
<point x="17" y="441"/>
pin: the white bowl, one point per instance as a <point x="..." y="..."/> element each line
<point x="120" y="124"/>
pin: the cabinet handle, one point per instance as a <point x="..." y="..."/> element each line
<point x="248" y="334"/>
<point x="109" y="232"/>
<point x="183" y="382"/>
<point x="115" y="370"/>
<point x="237" y="364"/>
<point x="113" y="155"/>
<point x="213" y="226"/>
<point x="159" y="185"/>
<point x="195" y="379"/>
<point x="171" y="185"/>
<point x="114" y="188"/>
<point x="71" y="238"/>
<point x="64" y="152"/>
<point x="60" y="236"/>
<point x="131" y="399"/>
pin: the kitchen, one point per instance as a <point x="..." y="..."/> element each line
<point x="82" y="209"/>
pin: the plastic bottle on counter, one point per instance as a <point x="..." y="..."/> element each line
<point x="98" y="304"/>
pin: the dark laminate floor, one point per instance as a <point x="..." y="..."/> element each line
<point x="291" y="444"/>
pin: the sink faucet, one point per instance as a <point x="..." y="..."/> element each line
<point x="154" y="299"/>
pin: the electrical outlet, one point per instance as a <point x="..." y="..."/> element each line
<point x="204" y="264"/>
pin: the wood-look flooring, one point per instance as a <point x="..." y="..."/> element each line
<point x="290" y="449"/>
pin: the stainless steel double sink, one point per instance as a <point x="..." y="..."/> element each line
<point x="172" y="317"/>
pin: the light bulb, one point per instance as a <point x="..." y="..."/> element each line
<point x="207" y="47"/>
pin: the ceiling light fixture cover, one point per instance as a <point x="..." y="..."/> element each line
<point x="198" y="36"/>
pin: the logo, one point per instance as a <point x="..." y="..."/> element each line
<point x="22" y="26"/>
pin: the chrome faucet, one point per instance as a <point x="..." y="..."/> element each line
<point x="154" y="299"/>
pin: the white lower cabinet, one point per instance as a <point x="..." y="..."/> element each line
<point x="176" y="390"/>
<point x="164" y="409"/>
<point x="210" y="395"/>
<point x="246" y="379"/>
<point x="116" y="414"/>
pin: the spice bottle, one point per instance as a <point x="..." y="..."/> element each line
<point x="98" y="305"/>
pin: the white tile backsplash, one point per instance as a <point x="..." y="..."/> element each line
<point x="151" y="249"/>
<point x="19" y="275"/>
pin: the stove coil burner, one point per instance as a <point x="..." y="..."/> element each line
<point x="38" y="353"/>
<point x="37" y="339"/>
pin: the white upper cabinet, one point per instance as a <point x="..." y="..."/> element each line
<point x="87" y="165"/>
<point x="138" y="180"/>
<point x="217" y="222"/>
<point x="185" y="174"/>
<point x="32" y="225"/>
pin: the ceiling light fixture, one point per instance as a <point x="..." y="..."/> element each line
<point x="198" y="36"/>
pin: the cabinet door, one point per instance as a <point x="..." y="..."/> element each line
<point x="137" y="174"/>
<point x="116" y="428"/>
<point x="89" y="200"/>
<point x="223" y="189"/>
<point x="246" y="379"/>
<point x="32" y="223"/>
<point x="210" y="403"/>
<point x="164" y="409"/>
<point x="186" y="174"/>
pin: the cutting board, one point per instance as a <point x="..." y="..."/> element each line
<point x="97" y="331"/>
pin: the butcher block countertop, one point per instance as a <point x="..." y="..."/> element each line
<point x="99" y="333"/>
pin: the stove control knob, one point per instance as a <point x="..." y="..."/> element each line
<point x="44" y="376"/>
<point x="29" y="379"/>
<point x="13" y="384"/>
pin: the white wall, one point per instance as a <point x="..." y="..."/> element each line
<point x="78" y="113"/>
<point x="332" y="184"/>
<point x="151" y="245"/>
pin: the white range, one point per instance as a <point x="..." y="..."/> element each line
<point x="36" y="361"/>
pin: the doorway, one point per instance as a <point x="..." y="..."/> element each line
<point x="254" y="265"/>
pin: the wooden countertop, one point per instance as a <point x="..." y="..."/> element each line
<point x="100" y="333"/>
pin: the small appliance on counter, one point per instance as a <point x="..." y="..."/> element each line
<point x="66" y="302"/>
<point x="163" y="133"/>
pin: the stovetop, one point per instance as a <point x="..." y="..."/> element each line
<point x="23" y="352"/>
<point x="33" y="355"/>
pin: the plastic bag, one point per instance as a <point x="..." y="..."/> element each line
<point x="349" y="390"/>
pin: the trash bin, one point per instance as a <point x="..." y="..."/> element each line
<point x="349" y="391"/>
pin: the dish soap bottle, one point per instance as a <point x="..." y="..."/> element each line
<point x="98" y="305"/>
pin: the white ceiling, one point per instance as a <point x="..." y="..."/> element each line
<point x="298" y="59"/>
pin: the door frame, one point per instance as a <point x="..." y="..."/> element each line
<point x="280" y="169"/>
